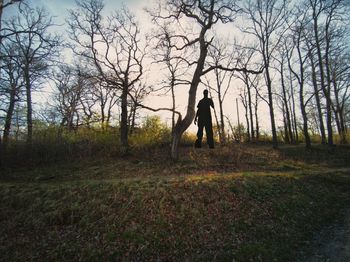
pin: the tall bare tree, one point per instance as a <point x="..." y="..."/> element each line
<point x="67" y="98"/>
<point x="317" y="7"/>
<point x="282" y="58"/>
<point x="37" y="49"/>
<point x="11" y="86"/>
<point x="300" y="74"/>
<point x="327" y="19"/>
<point x="315" y="83"/>
<point x="203" y="15"/>
<point x="267" y="20"/>
<point x="113" y="46"/>
<point x="175" y="61"/>
<point x="219" y="54"/>
<point x="246" y="57"/>
<point x="4" y="34"/>
<point x="340" y="72"/>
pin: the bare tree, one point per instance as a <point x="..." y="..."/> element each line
<point x="11" y="86"/>
<point x="327" y="18"/>
<point x="67" y="99"/>
<point x="176" y="63"/>
<point x="267" y="20"/>
<point x="283" y="56"/>
<point x="112" y="45"/>
<point x="203" y="15"/>
<point x="315" y="83"/>
<point x="340" y="72"/>
<point x="297" y="32"/>
<point x="3" y="34"/>
<point x="37" y="49"/>
<point x="255" y="84"/>
<point x="219" y="54"/>
<point x="317" y="7"/>
<point x="245" y="102"/>
<point x="246" y="57"/>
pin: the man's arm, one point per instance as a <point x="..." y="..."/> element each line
<point x="196" y="117"/>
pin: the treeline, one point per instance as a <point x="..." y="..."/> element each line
<point x="293" y="56"/>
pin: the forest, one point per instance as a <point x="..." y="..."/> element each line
<point x="98" y="100"/>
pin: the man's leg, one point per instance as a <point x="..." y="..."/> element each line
<point x="209" y="132"/>
<point x="198" y="143"/>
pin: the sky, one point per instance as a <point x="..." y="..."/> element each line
<point x="59" y="10"/>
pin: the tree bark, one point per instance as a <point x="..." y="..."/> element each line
<point x="183" y="124"/>
<point x="247" y="122"/>
<point x="256" y="117"/>
<point x="304" y="115"/>
<point x="222" y="121"/>
<point x="173" y="101"/>
<point x="29" y="107"/>
<point x="124" y="120"/>
<point x="272" y="114"/>
<point x="287" y="113"/>
<point x="293" y="113"/>
<point x="250" y="108"/>
<point x="9" y="115"/>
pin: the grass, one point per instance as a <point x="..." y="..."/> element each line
<point x="242" y="202"/>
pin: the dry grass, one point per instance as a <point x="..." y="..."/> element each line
<point x="243" y="202"/>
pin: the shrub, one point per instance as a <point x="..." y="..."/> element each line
<point x="152" y="132"/>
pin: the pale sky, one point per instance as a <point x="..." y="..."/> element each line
<point x="58" y="9"/>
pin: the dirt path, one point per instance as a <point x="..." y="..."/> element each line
<point x="333" y="243"/>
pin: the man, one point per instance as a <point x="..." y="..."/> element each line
<point x="204" y="120"/>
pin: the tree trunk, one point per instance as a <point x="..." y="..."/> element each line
<point x="323" y="84"/>
<point x="222" y="121"/>
<point x="294" y="118"/>
<point x="217" y="124"/>
<point x="301" y="94"/>
<point x="124" y="120"/>
<point x="133" y="119"/>
<point x="337" y="122"/>
<point x="247" y="122"/>
<point x="272" y="114"/>
<point x="318" y="103"/>
<point x="183" y="124"/>
<point x="175" y="142"/>
<point x="304" y="115"/>
<point x="256" y="117"/>
<point x="287" y="113"/>
<point x="285" y="128"/>
<point x="103" y="117"/>
<point x="173" y="102"/>
<point x="246" y="114"/>
<point x="250" y="108"/>
<point x="29" y="108"/>
<point x="342" y="126"/>
<point x="9" y="114"/>
<point x="338" y="111"/>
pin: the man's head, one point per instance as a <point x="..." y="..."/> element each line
<point x="205" y="93"/>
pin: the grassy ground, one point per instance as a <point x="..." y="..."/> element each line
<point x="242" y="202"/>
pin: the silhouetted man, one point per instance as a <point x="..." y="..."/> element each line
<point x="204" y="120"/>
